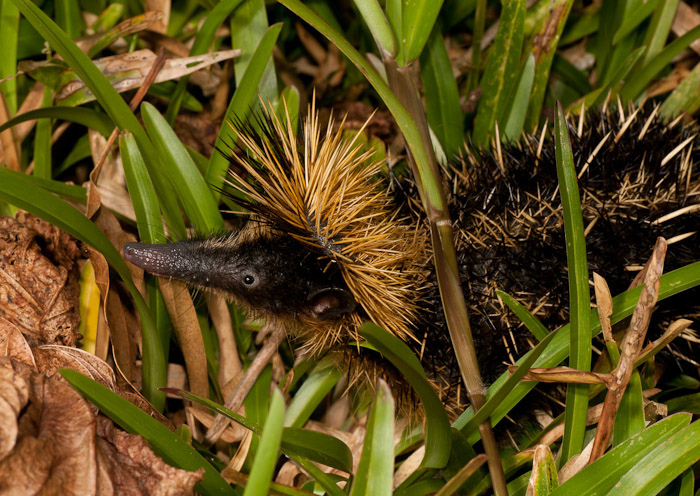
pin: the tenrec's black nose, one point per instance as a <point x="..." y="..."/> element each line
<point x="159" y="260"/>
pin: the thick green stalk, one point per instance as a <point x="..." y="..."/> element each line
<point x="401" y="82"/>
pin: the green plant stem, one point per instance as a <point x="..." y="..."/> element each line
<point x="401" y="82"/>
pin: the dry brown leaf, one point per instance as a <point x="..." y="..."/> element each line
<point x="14" y="345"/>
<point x="56" y="445"/>
<point x="630" y="348"/>
<point x="101" y="270"/>
<point x="9" y="144"/>
<point x="39" y="281"/>
<point x="184" y="319"/>
<point x="229" y="361"/>
<point x="125" y="28"/>
<point x="603" y="300"/>
<point x="134" y="469"/>
<point x="234" y="433"/>
<point x="674" y="330"/>
<point x="128" y="71"/>
<point x="685" y="20"/>
<point x="51" y="358"/>
<point x="163" y="8"/>
<point x="54" y="452"/>
<point x="14" y="394"/>
<point x="563" y="374"/>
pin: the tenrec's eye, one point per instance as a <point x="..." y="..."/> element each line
<point x="248" y="280"/>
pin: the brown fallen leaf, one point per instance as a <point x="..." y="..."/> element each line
<point x="134" y="469"/>
<point x="55" y="451"/>
<point x="39" y="280"/>
<point x="563" y="374"/>
<point x="57" y="444"/>
<point x="14" y="345"/>
<point x="13" y="396"/>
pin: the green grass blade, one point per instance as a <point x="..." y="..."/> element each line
<point x="249" y="27"/>
<point x="658" y="469"/>
<point x="317" y="385"/>
<point x="437" y="435"/>
<point x="196" y="197"/>
<point x="326" y="481"/>
<point x="517" y="110"/>
<point x="544" y="478"/>
<point x="165" y="443"/>
<point x="21" y="191"/>
<point x="571" y="75"/>
<point x="378" y="25"/>
<point x="42" y="142"/>
<point x="376" y="468"/>
<point x="468" y="425"/>
<point x="69" y="191"/>
<point x="310" y="445"/>
<point x="629" y="419"/>
<point x="532" y="323"/>
<point x="441" y="94"/>
<point x="659" y="27"/>
<point x="9" y="28"/>
<point x="417" y="20"/>
<point x="543" y="62"/>
<point x="671" y="284"/>
<point x="266" y="459"/>
<point x="596" y="97"/>
<point x="686" y="96"/>
<point x="579" y="292"/>
<point x="80" y="115"/>
<point x="604" y="474"/>
<point x="394" y="12"/>
<point x="630" y="23"/>
<point x="636" y="85"/>
<point x="687" y="486"/>
<point x="500" y="73"/>
<point x="202" y="41"/>
<point x="240" y="105"/>
<point x="69" y="17"/>
<point x="141" y="191"/>
<point x="319" y="447"/>
<point x="289" y="104"/>
<point x="80" y="151"/>
<point x="257" y="408"/>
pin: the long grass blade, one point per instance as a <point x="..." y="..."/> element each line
<point x="441" y="94"/>
<point x="376" y="468"/>
<point x="579" y="292"/>
<point x="501" y="71"/>
<point x="266" y="459"/>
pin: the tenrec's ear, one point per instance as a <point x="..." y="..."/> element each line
<point x="329" y="303"/>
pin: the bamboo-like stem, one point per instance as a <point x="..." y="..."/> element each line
<point x="402" y="84"/>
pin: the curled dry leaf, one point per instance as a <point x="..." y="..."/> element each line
<point x="13" y="397"/>
<point x="54" y="452"/>
<point x="14" y="345"/>
<point x="125" y="72"/>
<point x="39" y="280"/>
<point x="50" y="359"/>
<point x="131" y="467"/>
<point x="56" y="445"/>
<point x="563" y="374"/>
